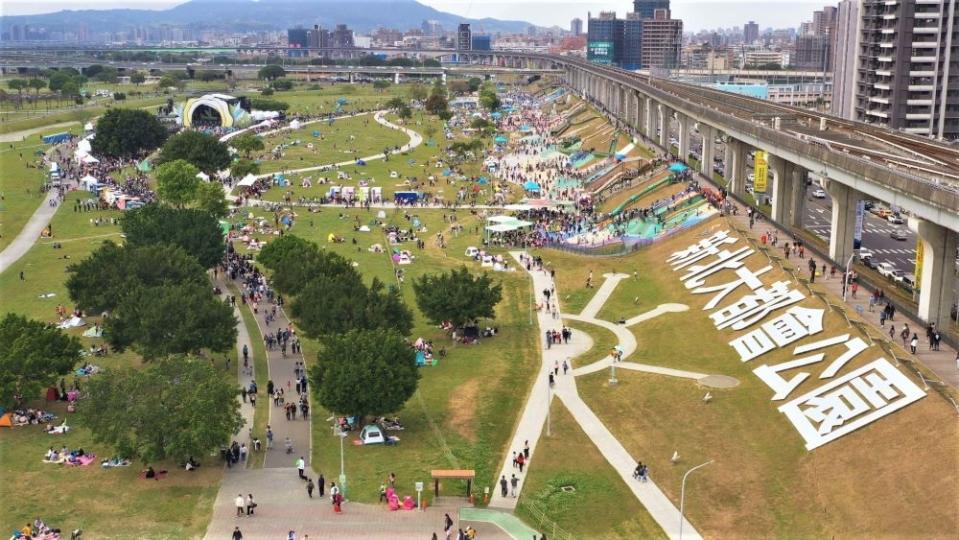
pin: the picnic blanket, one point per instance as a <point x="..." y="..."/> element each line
<point x="83" y="461"/>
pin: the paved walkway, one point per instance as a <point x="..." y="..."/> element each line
<point x="17" y="136"/>
<point x="599" y="299"/>
<point x="281" y="373"/>
<point x="415" y="140"/>
<point x="29" y="233"/>
<point x="244" y="376"/>
<point x="283" y="505"/>
<point x="530" y="426"/>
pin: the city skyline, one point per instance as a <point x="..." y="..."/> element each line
<point x="696" y="15"/>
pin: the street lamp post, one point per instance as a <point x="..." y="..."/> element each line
<point x="342" y="435"/>
<point x="682" y="497"/>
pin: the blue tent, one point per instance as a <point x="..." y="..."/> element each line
<point x="501" y="139"/>
<point x="678" y="168"/>
<point x="496" y="115"/>
<point x="530" y="185"/>
<point x="482" y="180"/>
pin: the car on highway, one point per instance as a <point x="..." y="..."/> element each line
<point x="865" y="254"/>
<point x="870" y="263"/>
<point x="908" y="281"/>
<point x="899" y="234"/>
<point x="886" y="269"/>
<point x="819" y="194"/>
<point x="895" y="219"/>
<point x="897" y="276"/>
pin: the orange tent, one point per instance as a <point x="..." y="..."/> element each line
<point x="6" y="420"/>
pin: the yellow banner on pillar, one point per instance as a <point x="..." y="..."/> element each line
<point x="918" y="273"/>
<point x="760" y="172"/>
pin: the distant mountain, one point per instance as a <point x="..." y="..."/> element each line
<point x="247" y="15"/>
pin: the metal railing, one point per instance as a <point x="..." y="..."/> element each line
<point x="547" y="525"/>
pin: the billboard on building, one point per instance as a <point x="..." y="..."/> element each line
<point x="760" y="172"/>
<point x="600" y="52"/>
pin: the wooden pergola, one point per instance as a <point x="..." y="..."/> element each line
<point x="453" y="474"/>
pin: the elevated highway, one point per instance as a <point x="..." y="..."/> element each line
<point x="854" y="160"/>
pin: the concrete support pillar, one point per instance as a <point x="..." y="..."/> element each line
<point x="938" y="275"/>
<point x="843" y="224"/>
<point x="709" y="150"/>
<point x="396" y="78"/>
<point x="796" y="196"/>
<point x="779" y="183"/>
<point x="650" y="118"/>
<point x="685" y="129"/>
<point x="351" y="77"/>
<point x="736" y="167"/>
<point x="664" y="114"/>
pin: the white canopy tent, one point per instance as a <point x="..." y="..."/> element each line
<point x="247" y="181"/>
<point x="203" y="176"/>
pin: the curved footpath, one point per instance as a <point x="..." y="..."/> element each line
<point x="29" y="233"/>
<point x="530" y="426"/>
<point x="415" y="140"/>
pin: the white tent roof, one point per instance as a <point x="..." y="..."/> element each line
<point x="203" y="176"/>
<point x="249" y="180"/>
<point x="501" y="219"/>
<point x="295" y="124"/>
<point x="89" y="179"/>
<point x="88" y="126"/>
<point x="87" y="158"/>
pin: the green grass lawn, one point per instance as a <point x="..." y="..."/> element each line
<point x="261" y="416"/>
<point x="603" y="342"/>
<point x="463" y="414"/>
<point x="23" y="174"/>
<point x="346" y="140"/>
<point x="413" y="169"/>
<point x="600" y="505"/>
<point x="763" y="482"/>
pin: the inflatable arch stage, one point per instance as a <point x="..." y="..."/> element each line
<point x="228" y="111"/>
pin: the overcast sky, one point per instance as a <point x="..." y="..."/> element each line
<point x="696" y="14"/>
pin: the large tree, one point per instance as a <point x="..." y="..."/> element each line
<point x="32" y="355"/>
<point x="99" y="282"/>
<point x="126" y="132"/>
<point x="247" y="143"/>
<point x="457" y="296"/>
<point x="171" y="319"/>
<point x="364" y="372"/>
<point x="271" y="72"/>
<point x="243" y="167"/>
<point x="488" y="98"/>
<point x="211" y="198"/>
<point x="19" y="85"/>
<point x="195" y="230"/>
<point x="175" y="409"/>
<point x="177" y="182"/>
<point x="204" y="151"/>
<point x="330" y="305"/>
<point x="295" y="262"/>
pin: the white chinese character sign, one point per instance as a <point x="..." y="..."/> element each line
<point x="824" y="414"/>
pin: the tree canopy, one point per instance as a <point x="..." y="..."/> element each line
<point x="211" y="198"/>
<point x="243" y="167"/>
<point x="204" y="151"/>
<point x="195" y="230"/>
<point x="364" y="372"/>
<point x="418" y="91"/>
<point x="247" y="143"/>
<point x="127" y="132"/>
<point x="171" y="319"/>
<point x="32" y="355"/>
<point x="177" y="182"/>
<point x="271" y="72"/>
<point x="99" y="282"/>
<point x="457" y="296"/>
<point x="488" y="98"/>
<point x="175" y="409"/>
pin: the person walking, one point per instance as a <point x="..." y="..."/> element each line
<point x="526" y="449"/>
<point x="513" y="482"/>
<point x="309" y="487"/>
<point x="502" y="485"/>
<point x="237" y="535"/>
<point x="321" y="484"/>
<point x="250" y="505"/>
<point x="240" y="503"/>
<point x="913" y="343"/>
<point x="300" y="467"/>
